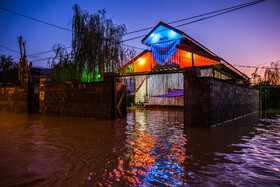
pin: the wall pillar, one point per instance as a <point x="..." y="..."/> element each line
<point x="196" y="98"/>
<point x="110" y="82"/>
<point x="42" y="85"/>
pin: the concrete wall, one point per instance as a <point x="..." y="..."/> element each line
<point x="210" y="101"/>
<point x="95" y="99"/>
<point x="229" y="101"/>
<point x="14" y="99"/>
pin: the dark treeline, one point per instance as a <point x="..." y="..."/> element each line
<point x="269" y="97"/>
<point x="8" y="69"/>
<point x="270" y="77"/>
<point x="96" y="48"/>
<point x="269" y="85"/>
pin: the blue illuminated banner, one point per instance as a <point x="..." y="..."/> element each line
<point x="163" y="52"/>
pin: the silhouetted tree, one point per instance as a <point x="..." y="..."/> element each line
<point x="269" y="86"/>
<point x="255" y="76"/>
<point x="96" y="47"/>
<point x="8" y="69"/>
<point x="272" y="74"/>
<point x="62" y="64"/>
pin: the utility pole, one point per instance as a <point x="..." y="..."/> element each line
<point x="24" y="68"/>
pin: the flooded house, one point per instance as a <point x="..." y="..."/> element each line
<point x="156" y="75"/>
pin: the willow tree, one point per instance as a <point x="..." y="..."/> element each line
<point x="272" y="74"/>
<point x="62" y="64"/>
<point x="96" y="48"/>
<point x="96" y="44"/>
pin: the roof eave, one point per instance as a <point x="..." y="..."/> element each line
<point x="135" y="58"/>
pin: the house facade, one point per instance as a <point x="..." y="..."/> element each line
<point x="155" y="76"/>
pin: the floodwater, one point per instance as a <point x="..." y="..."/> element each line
<point x="149" y="148"/>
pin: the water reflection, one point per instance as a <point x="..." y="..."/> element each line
<point x="155" y="151"/>
<point x="149" y="148"/>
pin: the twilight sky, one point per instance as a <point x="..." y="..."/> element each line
<point x="250" y="36"/>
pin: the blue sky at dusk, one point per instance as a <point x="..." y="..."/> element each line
<point x="250" y="36"/>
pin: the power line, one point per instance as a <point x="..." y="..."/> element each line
<point x="34" y="19"/>
<point x="257" y="66"/>
<point x="247" y="5"/>
<point x="178" y="56"/>
<point x="9" y="49"/>
<point x="44" y="52"/>
<point x="240" y="7"/>
<point x="263" y="63"/>
<point x="70" y="47"/>
<point x="245" y="66"/>
<point x="41" y="59"/>
<point x="176" y="21"/>
<point x="133" y="47"/>
<point x="231" y="9"/>
<point x="39" y="53"/>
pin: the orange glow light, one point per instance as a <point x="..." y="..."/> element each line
<point x="144" y="63"/>
<point x="141" y="61"/>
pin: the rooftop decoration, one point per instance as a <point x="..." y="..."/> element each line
<point x="163" y="52"/>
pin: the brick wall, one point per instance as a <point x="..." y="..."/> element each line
<point x="14" y="99"/>
<point x="229" y="100"/>
<point x="95" y="99"/>
<point x="210" y="101"/>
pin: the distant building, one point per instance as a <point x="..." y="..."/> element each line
<point x="37" y="72"/>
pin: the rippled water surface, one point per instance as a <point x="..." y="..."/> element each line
<point x="149" y="148"/>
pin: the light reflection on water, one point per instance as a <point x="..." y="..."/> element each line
<point x="149" y="148"/>
<point x="155" y="151"/>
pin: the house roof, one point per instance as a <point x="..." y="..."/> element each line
<point x="206" y="52"/>
<point x="216" y="58"/>
<point x="179" y="32"/>
<point x="231" y="67"/>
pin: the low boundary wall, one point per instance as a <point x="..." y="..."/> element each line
<point x="95" y="99"/>
<point x="211" y="101"/>
<point x="14" y="99"/>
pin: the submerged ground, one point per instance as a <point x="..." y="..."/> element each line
<point x="150" y="147"/>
